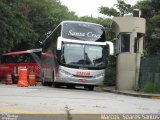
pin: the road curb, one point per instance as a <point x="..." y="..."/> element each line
<point x="134" y="94"/>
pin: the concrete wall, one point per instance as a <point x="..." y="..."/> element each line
<point x="126" y="71"/>
<point x="129" y="24"/>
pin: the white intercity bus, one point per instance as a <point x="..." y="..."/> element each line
<point x="74" y="54"/>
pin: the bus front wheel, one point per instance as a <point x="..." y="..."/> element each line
<point x="90" y="87"/>
<point x="71" y="86"/>
<point x="56" y="85"/>
<point x="43" y="82"/>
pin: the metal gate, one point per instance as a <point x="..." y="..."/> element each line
<point x="149" y="70"/>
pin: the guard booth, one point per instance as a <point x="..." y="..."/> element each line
<point x="130" y="33"/>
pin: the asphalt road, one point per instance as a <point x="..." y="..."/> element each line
<point x="65" y="103"/>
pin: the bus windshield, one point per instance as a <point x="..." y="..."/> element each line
<point x="82" y="55"/>
<point x="83" y="31"/>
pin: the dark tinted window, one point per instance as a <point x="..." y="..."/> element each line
<point x="83" y="31"/>
<point x="125" y="43"/>
<point x="51" y="40"/>
<point x="20" y="58"/>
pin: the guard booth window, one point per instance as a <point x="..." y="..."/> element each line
<point x="123" y="43"/>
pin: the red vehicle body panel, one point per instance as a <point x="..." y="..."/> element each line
<point x="4" y="70"/>
<point x="14" y="68"/>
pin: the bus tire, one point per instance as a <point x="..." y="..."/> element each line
<point x="14" y="79"/>
<point x="71" y="86"/>
<point x="43" y="82"/>
<point x="56" y="85"/>
<point x="90" y="87"/>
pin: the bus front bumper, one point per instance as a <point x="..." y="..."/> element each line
<point x="70" y="79"/>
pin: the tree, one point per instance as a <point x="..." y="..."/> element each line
<point x="150" y="10"/>
<point x="121" y="9"/>
<point x="14" y="28"/>
<point x="24" y="23"/>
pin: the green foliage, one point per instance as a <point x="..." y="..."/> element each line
<point x="14" y="27"/>
<point x="121" y="9"/>
<point x="150" y="88"/>
<point x="151" y="10"/>
<point x="104" y="22"/>
<point x="24" y="23"/>
<point x="109" y="11"/>
<point x="110" y="76"/>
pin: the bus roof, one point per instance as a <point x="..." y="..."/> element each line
<point x="22" y="52"/>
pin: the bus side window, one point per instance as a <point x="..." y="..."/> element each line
<point x="3" y="59"/>
<point x="20" y="58"/>
<point x="30" y="58"/>
<point x="9" y="59"/>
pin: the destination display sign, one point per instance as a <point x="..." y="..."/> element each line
<point x="84" y="34"/>
<point x="83" y="31"/>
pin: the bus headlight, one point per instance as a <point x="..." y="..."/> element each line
<point x="65" y="72"/>
<point x="99" y="75"/>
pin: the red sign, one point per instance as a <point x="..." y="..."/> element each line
<point x="80" y="73"/>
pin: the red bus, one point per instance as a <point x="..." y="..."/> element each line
<point x="12" y="62"/>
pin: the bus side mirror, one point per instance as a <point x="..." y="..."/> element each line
<point x="59" y="43"/>
<point x="58" y="53"/>
<point x="111" y="48"/>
